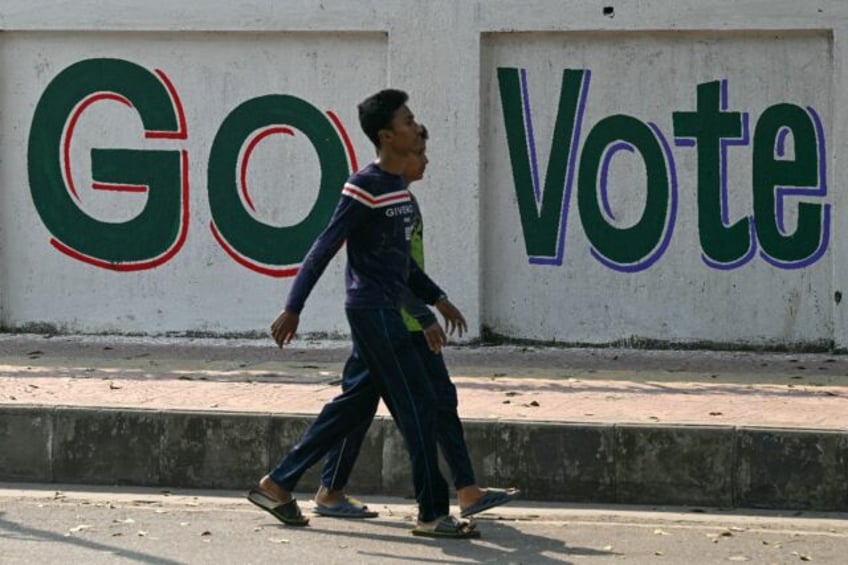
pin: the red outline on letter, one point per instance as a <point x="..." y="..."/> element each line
<point x="164" y="258"/>
<point x="351" y="154"/>
<point x="246" y="157"/>
<point x="245" y="262"/>
<point x="240" y="259"/>
<point x="71" y="126"/>
<point x="120" y="187"/>
<point x="181" y="133"/>
<point x="182" y="128"/>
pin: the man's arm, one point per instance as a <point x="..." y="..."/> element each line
<point x="347" y="215"/>
<point x="433" y="332"/>
<point x="284" y="327"/>
<point x="416" y="308"/>
<point x="454" y="320"/>
<point x="425" y="289"/>
<point x="423" y="286"/>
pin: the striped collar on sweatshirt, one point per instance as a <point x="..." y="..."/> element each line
<point x="366" y="198"/>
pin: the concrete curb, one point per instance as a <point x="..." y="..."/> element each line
<point x="564" y="462"/>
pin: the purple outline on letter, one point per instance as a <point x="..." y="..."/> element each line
<point x="786" y="191"/>
<point x="608" y="154"/>
<point x="725" y="143"/>
<point x="658" y="252"/>
<point x="780" y="142"/>
<point x="531" y="138"/>
<point x="725" y="193"/>
<point x="780" y="151"/>
<point x="569" y="177"/>
<point x="752" y="250"/>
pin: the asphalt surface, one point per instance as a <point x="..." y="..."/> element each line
<point x="74" y="524"/>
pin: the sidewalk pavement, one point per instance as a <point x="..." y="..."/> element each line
<point x="745" y="429"/>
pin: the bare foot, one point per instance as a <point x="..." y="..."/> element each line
<point x="276" y="492"/>
<point x="447" y="527"/>
<point x="469" y="496"/>
<point x="329" y="497"/>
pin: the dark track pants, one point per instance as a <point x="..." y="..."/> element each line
<point x="396" y="372"/>
<point x="450" y="435"/>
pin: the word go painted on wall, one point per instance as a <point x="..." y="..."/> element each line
<point x="157" y="233"/>
<point x="711" y="128"/>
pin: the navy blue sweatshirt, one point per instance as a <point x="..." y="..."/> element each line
<point x="374" y="216"/>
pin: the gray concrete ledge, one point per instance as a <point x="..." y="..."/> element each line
<point x="568" y="462"/>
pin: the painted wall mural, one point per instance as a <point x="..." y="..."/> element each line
<point x="158" y="232"/>
<point x="155" y="235"/>
<point x="609" y="186"/>
<point x="787" y="149"/>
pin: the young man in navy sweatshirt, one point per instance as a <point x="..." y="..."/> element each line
<point x="331" y="499"/>
<point x="375" y="219"/>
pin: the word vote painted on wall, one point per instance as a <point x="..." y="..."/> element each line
<point x="778" y="174"/>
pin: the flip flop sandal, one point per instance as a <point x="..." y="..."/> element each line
<point x="448" y="527"/>
<point x="347" y="508"/>
<point x="491" y="498"/>
<point x="286" y="512"/>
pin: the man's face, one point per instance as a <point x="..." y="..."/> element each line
<point x="404" y="132"/>
<point x="416" y="162"/>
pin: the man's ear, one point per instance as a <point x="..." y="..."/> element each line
<point x="385" y="135"/>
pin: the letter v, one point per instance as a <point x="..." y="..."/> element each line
<point x="544" y="214"/>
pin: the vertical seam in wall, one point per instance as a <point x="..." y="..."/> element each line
<point x="270" y="421"/>
<point x="481" y="203"/>
<point x="843" y="445"/>
<point x="837" y="35"/>
<point x="496" y="479"/>
<point x="51" y="470"/>
<point x="614" y="448"/>
<point x="835" y="79"/>
<point x="383" y="467"/>
<point x="160" y="466"/>
<point x="734" y="466"/>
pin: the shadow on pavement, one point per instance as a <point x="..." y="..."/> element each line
<point x="12" y="530"/>
<point x="499" y="541"/>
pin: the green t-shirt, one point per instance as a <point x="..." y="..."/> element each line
<point x="416" y="251"/>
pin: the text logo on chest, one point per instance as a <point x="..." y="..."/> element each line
<point x="401" y="210"/>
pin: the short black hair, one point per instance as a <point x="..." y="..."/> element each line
<point x="376" y="112"/>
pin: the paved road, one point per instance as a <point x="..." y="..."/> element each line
<point x="64" y="524"/>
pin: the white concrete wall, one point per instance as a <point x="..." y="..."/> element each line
<point x="645" y="60"/>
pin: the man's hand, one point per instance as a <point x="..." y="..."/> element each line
<point x="436" y="338"/>
<point x="454" y="319"/>
<point x="284" y="327"/>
